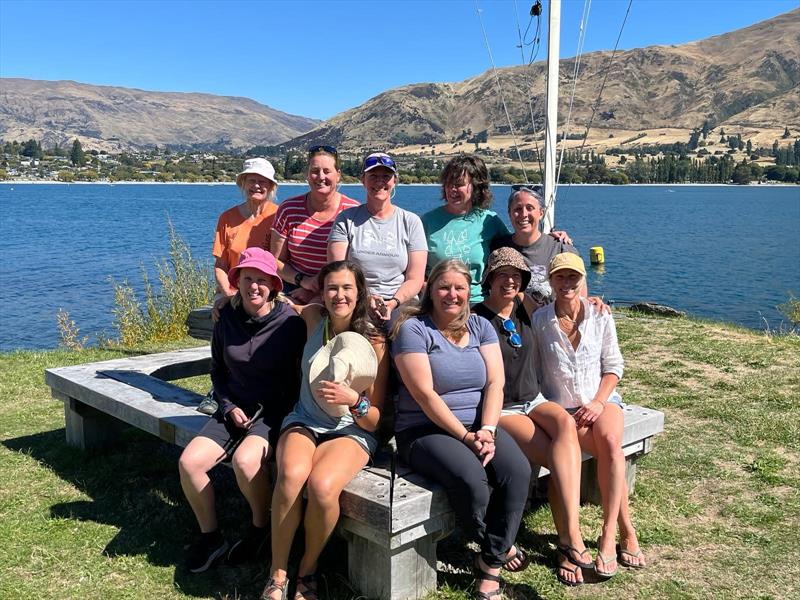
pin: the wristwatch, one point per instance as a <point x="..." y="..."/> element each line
<point x="360" y="408"/>
<point x="298" y="277"/>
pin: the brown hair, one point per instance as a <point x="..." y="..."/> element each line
<point x="473" y="167"/>
<point x="317" y="150"/>
<point x="360" y="322"/>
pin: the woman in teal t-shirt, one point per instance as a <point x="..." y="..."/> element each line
<point x="464" y="227"/>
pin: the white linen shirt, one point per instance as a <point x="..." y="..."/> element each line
<point x="572" y="377"/>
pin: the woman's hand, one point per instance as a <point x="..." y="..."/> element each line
<point x="218" y="305"/>
<point x="238" y="418"/>
<point x="597" y="301"/>
<point x="310" y="283"/>
<point x="562" y="236"/>
<point x="588" y="414"/>
<point x="302" y="295"/>
<point x="382" y="310"/>
<point x="481" y="443"/>
<point x="337" y="393"/>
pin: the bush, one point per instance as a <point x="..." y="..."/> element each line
<point x="185" y="284"/>
<point x="791" y="310"/>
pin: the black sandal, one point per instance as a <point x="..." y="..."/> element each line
<point x="564" y="580"/>
<point x="274" y="586"/>
<point x="520" y="555"/>
<point x="567" y="550"/>
<point x="310" y="583"/>
<point x="480" y="574"/>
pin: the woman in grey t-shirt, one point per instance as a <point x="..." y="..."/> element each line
<point x="387" y="242"/>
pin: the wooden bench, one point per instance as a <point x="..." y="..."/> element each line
<point x="391" y="524"/>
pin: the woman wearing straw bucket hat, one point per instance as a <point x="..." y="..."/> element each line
<point x="255" y="369"/>
<point x="329" y="436"/>
<point x="544" y="430"/>
<point x="245" y="225"/>
<point x="580" y="363"/>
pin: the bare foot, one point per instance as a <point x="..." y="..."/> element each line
<point x="516" y="559"/>
<point x="605" y="564"/>
<point x="274" y="589"/>
<point x="568" y="574"/>
<point x="487" y="581"/>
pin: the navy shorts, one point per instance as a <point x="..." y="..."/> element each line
<point x="222" y="431"/>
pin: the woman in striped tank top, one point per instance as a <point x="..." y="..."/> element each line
<point x="300" y="231"/>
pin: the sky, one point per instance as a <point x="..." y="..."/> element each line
<point x="319" y="58"/>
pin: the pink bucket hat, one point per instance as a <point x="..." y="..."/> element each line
<point x="256" y="258"/>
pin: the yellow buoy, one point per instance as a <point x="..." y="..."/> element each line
<point x="596" y="255"/>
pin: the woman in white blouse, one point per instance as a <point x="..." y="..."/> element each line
<point x="580" y="364"/>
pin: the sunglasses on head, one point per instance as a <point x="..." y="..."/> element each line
<point x="511" y="331"/>
<point x="328" y="149"/>
<point x="527" y="187"/>
<point x="380" y="159"/>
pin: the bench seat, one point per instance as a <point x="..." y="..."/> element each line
<point x="391" y="517"/>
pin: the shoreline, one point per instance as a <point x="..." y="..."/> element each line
<point x="303" y="184"/>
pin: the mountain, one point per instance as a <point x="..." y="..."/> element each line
<point x="749" y="77"/>
<point x="116" y="118"/>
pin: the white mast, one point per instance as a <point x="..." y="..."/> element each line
<point x="551" y="122"/>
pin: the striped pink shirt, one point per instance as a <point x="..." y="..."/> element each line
<point x="306" y="237"/>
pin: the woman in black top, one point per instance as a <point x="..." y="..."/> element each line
<point x="545" y="431"/>
<point x="255" y="370"/>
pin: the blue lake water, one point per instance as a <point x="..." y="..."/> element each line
<point x="728" y="253"/>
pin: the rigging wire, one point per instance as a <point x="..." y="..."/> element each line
<point x="500" y="89"/>
<point x="605" y="77"/>
<point x="522" y="43"/>
<point x="575" y="73"/>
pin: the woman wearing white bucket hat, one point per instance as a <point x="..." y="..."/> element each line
<point x="329" y="436"/>
<point x="245" y="225"/>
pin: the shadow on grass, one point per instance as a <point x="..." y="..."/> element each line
<point x="134" y="486"/>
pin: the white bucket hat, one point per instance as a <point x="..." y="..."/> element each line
<point x="259" y="166"/>
<point x="348" y="359"/>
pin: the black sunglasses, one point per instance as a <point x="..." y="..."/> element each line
<point x="527" y="187"/>
<point x="328" y="149"/>
<point x="513" y="336"/>
<point x="380" y="159"/>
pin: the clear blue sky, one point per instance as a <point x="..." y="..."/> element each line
<point x="317" y="58"/>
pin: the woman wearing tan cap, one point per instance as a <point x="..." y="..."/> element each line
<point x="580" y="363"/>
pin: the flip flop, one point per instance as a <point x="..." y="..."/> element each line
<point x="522" y="556"/>
<point x="566" y="551"/>
<point x="626" y="563"/>
<point x="564" y="580"/>
<point x="604" y="574"/>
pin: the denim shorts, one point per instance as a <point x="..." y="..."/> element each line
<point x="614" y="398"/>
<point x="523" y="408"/>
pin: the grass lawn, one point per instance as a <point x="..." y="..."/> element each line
<point x="717" y="502"/>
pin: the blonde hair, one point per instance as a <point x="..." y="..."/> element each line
<point x="457" y="326"/>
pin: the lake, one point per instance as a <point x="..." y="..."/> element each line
<point x="720" y="252"/>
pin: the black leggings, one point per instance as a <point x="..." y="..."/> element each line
<point x="489" y="501"/>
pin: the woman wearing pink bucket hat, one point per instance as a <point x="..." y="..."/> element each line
<point x="255" y="369"/>
<point x="247" y="224"/>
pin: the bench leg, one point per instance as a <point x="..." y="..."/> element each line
<point x="404" y="573"/>
<point x="590" y="490"/>
<point x="88" y="428"/>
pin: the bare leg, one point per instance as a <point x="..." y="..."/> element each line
<point x="540" y="449"/>
<point x="249" y="465"/>
<point x="604" y="441"/>
<point x="295" y="452"/>
<point x="197" y="459"/>
<point x="336" y="462"/>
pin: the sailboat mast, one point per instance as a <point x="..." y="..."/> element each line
<point x="551" y="121"/>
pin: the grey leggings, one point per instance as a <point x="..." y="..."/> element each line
<point x="489" y="501"/>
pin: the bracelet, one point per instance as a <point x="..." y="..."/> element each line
<point x="396" y="299"/>
<point x="491" y="429"/>
<point x="361" y="407"/>
<point x="463" y="439"/>
<point x="298" y="277"/>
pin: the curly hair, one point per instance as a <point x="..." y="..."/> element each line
<point x="457" y="326"/>
<point x="360" y="322"/>
<point x="473" y="167"/>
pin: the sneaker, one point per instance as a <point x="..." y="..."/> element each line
<point x="252" y="545"/>
<point x="204" y="551"/>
